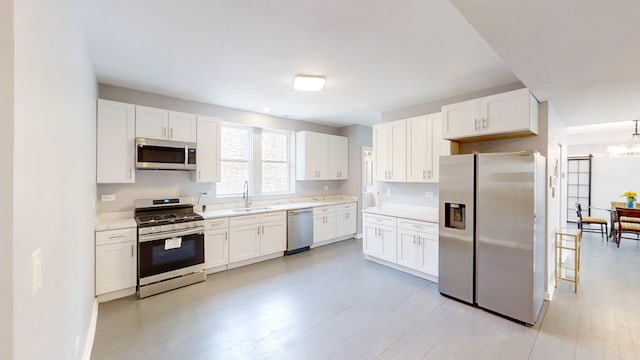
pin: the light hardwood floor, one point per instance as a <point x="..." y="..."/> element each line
<point x="331" y="303"/>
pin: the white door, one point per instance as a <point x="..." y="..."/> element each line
<point x="208" y="150"/>
<point x="388" y="247"/>
<point x="319" y="230"/>
<point x="311" y="155"/>
<point x="115" y="267"/>
<point x="428" y="253"/>
<point x="116" y="135"/>
<point x="461" y="119"/>
<point x="505" y="112"/>
<point x="398" y="131"/>
<point x="419" y="154"/>
<point x="273" y="237"/>
<point x="439" y="146"/>
<point x="216" y="248"/>
<point x="371" y="242"/>
<point x="407" y="248"/>
<point x="338" y="157"/>
<point x="381" y="151"/>
<point x="244" y="242"/>
<point x="345" y="223"/>
<point x="152" y="123"/>
<point x="182" y="126"/>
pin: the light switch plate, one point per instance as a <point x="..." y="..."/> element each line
<point x="36" y="271"/>
<point x="428" y="195"/>
<point x="108" y="197"/>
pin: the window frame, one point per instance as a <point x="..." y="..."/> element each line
<point x="289" y="162"/>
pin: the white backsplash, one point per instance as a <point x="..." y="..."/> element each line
<point x="406" y="194"/>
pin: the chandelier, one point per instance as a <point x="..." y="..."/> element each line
<point x="629" y="149"/>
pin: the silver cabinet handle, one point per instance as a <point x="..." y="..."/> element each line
<point x="485" y="123"/>
<point x="258" y="230"/>
<point x="171" y="133"/>
<point x="226" y="237"/>
<point x="164" y="131"/>
<point x="262" y="229"/>
<point x="199" y="175"/>
<point x="131" y="250"/>
<point x="476" y="124"/>
<point x="116" y="236"/>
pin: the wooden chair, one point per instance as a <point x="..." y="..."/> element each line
<point x="588" y="220"/>
<point x="627" y="222"/>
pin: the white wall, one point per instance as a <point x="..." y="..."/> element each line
<point x="610" y="177"/>
<point x="54" y="180"/>
<point x="359" y="136"/>
<point x="155" y="184"/>
<point x="6" y="178"/>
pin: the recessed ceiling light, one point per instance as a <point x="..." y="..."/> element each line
<point x="308" y="83"/>
<point x="267" y="109"/>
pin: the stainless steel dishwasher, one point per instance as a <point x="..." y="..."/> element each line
<point x="299" y="230"/>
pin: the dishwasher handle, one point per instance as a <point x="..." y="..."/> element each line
<point x="299" y="212"/>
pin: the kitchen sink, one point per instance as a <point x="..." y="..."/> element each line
<point x="245" y="210"/>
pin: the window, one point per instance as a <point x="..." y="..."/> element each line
<point x="275" y="161"/>
<point x="235" y="159"/>
<point x="260" y="156"/>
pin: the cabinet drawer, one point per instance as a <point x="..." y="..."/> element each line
<point x="214" y="224"/>
<point x="323" y="210"/>
<point x="380" y="219"/>
<point x="276" y="216"/>
<point x="422" y="226"/>
<point x="116" y="236"/>
<point x="245" y="220"/>
<point x="346" y="207"/>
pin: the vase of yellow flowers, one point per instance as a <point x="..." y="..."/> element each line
<point x="631" y="198"/>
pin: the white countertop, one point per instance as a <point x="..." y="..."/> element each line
<point x="124" y="219"/>
<point x="421" y="213"/>
<point x="224" y="212"/>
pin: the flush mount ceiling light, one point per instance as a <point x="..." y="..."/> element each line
<point x="629" y="149"/>
<point x="308" y="82"/>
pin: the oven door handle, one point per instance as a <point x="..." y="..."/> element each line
<point x="152" y="237"/>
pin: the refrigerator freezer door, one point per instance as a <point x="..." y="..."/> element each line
<point x="456" y="250"/>
<point x="505" y="234"/>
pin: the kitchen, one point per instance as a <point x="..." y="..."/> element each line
<point x="51" y="99"/>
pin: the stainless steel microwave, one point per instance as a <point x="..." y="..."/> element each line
<point x="165" y="155"/>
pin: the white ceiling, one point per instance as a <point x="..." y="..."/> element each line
<point x="377" y="55"/>
<point x="583" y="56"/>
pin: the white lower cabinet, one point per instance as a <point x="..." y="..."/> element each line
<point x="216" y="243"/>
<point x="334" y="222"/>
<point x="346" y="221"/>
<point x="251" y="236"/>
<point x="414" y="245"/>
<point x="116" y="261"/>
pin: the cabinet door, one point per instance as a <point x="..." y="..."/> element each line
<point x="244" y="242"/>
<point x="439" y="147"/>
<point x="398" y="171"/>
<point x="381" y="151"/>
<point x="461" y="120"/>
<point x="115" y="152"/>
<point x="311" y="155"/>
<point x="216" y="248"/>
<point x="324" y="227"/>
<point x="388" y="247"/>
<point x="182" y="126"/>
<point x="152" y="123"/>
<point x="338" y="157"/>
<point x="506" y="112"/>
<point x="371" y="242"/>
<point x="115" y="267"/>
<point x="419" y="143"/>
<point x="428" y="253"/>
<point x="345" y="223"/>
<point x="407" y="248"/>
<point x="273" y="237"/>
<point x="208" y="150"/>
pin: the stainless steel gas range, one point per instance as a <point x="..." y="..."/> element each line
<point x="170" y="245"/>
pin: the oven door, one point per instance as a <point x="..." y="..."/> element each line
<point x="162" y="256"/>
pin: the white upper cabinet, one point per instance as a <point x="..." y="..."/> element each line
<point x="161" y="124"/>
<point x="115" y="151"/>
<point x="514" y="113"/>
<point x="208" y="150"/>
<point x="321" y="156"/>
<point x="338" y="157"/>
<point x="389" y="144"/>
<point x="424" y="147"/>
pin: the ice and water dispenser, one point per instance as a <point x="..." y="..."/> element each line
<point x="454" y="216"/>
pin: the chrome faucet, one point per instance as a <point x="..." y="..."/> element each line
<point x="245" y="193"/>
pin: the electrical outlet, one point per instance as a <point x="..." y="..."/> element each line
<point x="326" y="187"/>
<point x="428" y="194"/>
<point x="36" y="271"/>
<point x="108" y="197"/>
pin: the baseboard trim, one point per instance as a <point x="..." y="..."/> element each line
<point x="255" y="260"/>
<point x="407" y="270"/>
<point x="358" y="236"/>
<point x="548" y="295"/>
<point x="91" y="332"/>
<point x="331" y="241"/>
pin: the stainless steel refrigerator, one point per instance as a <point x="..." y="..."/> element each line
<point x="492" y="231"/>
